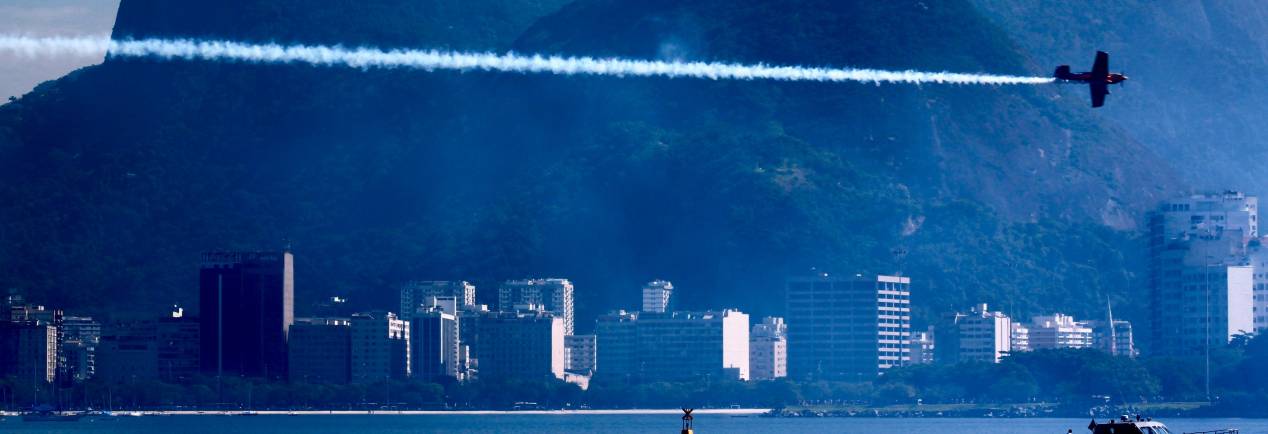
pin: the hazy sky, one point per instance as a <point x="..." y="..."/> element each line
<point x="45" y="18"/>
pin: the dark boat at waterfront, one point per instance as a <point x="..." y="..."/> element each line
<point x="1142" y="425"/>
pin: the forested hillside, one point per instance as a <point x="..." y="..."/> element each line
<point x="1199" y="75"/>
<point x="118" y="175"/>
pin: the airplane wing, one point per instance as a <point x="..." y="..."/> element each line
<point x="1099" y="90"/>
<point x="1100" y="68"/>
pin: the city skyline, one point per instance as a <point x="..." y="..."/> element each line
<point x="845" y="327"/>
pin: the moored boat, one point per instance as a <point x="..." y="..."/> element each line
<point x="1142" y="425"/>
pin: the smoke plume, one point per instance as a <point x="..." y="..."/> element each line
<point x="430" y="60"/>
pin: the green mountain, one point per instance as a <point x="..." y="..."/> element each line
<point x="1199" y="75"/>
<point x="117" y="176"/>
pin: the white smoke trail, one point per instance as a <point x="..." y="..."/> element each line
<point x="460" y="61"/>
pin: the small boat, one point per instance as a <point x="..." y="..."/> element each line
<point x="1141" y="425"/>
<point x="100" y="416"/>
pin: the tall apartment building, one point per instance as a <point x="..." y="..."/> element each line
<point x="468" y="338"/>
<point x="435" y="344"/>
<point x="320" y="351"/>
<point x="656" y="296"/>
<point x="78" y="338"/>
<point x="985" y="336"/>
<point x="1201" y="278"/>
<point x="848" y="327"/>
<point x="1259" y="261"/>
<point x="690" y="345"/>
<point x="246" y="302"/>
<point x="768" y="349"/>
<point x="522" y="345"/>
<point x="380" y="347"/>
<point x="415" y="295"/>
<point x="580" y="352"/>
<point x="553" y="295"/>
<point x="1057" y="331"/>
<point x="616" y="341"/>
<point x="28" y="351"/>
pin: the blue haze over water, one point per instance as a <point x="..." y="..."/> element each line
<point x="501" y="423"/>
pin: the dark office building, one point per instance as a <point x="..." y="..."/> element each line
<point x="434" y="341"/>
<point x="320" y="350"/>
<point x="28" y="351"/>
<point x="178" y="345"/>
<point x="848" y="327"/>
<point x="165" y="349"/>
<point x="246" y="303"/>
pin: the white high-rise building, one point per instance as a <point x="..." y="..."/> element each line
<point x="1201" y="274"/>
<point x="416" y="295"/>
<point x="985" y="336"/>
<point x="1058" y="331"/>
<point x="553" y="295"/>
<point x="656" y="296"/>
<point x="380" y="347"/>
<point x="768" y="349"/>
<point x="852" y="327"/>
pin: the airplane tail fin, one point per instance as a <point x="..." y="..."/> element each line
<point x="1062" y="72"/>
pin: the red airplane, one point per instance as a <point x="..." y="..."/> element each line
<point x="1098" y="79"/>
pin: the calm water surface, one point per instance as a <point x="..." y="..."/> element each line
<point x="705" y="424"/>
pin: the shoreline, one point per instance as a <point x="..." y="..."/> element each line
<point x="713" y="411"/>
<point x="743" y="412"/>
